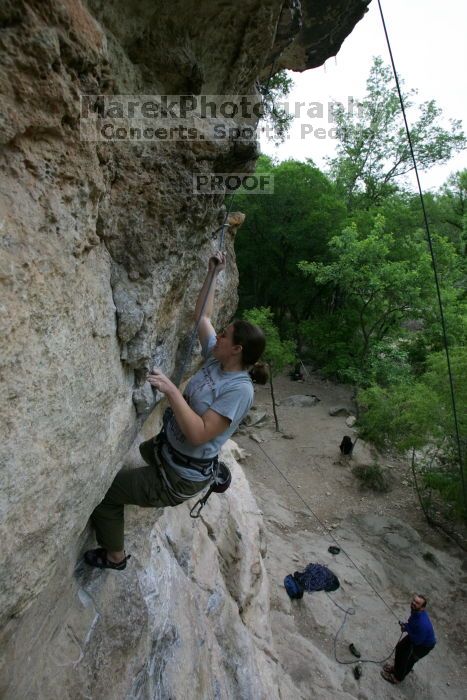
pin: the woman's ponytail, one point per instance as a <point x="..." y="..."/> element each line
<point x="253" y="343"/>
<point x="259" y="373"/>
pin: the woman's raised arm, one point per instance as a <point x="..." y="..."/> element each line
<point x="216" y="264"/>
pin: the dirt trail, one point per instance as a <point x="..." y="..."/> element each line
<point x="388" y="552"/>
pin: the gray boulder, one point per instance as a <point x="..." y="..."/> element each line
<point x="301" y="400"/>
<point x="255" y="418"/>
<point x="339" y="411"/>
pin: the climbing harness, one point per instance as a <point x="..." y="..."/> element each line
<point x="222" y="478"/>
<point x="212" y="469"/>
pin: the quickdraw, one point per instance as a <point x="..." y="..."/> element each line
<point x="222" y="479"/>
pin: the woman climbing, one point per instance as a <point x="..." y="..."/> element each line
<point x="184" y="456"/>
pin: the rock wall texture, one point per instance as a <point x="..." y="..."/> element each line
<point x="188" y="618"/>
<point x="103" y="250"/>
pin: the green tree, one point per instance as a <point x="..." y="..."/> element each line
<point x="450" y="211"/>
<point x="418" y="415"/>
<point x="294" y="223"/>
<point x="373" y="151"/>
<point x="372" y="284"/>
<point x="276" y="120"/>
<point x="278" y="353"/>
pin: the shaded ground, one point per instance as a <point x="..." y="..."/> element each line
<point x="388" y="552"/>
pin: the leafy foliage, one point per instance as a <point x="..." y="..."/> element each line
<point x="280" y="230"/>
<point x="400" y="417"/>
<point x="371" y="477"/>
<point x="410" y="416"/>
<point x="278" y="353"/>
<point x="375" y="282"/>
<point x="450" y="213"/>
<point x="341" y="266"/>
<point x="373" y="149"/>
<point x="276" y="120"/>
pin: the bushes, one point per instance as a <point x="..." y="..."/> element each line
<point x="447" y="484"/>
<point x="371" y="477"/>
<point x="400" y="417"/>
<point x="418" y="413"/>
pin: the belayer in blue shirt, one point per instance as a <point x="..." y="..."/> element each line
<point x="418" y="642"/>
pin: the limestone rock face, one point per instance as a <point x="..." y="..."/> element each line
<point x="189" y="617"/>
<point x="324" y="26"/>
<point x="103" y="247"/>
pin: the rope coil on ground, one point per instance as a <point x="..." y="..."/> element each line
<point x="347" y="611"/>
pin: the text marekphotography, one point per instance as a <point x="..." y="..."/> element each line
<point x="165" y="118"/>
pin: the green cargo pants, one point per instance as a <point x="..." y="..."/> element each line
<point x="140" y="487"/>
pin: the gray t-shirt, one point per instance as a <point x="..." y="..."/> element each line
<point x="228" y="393"/>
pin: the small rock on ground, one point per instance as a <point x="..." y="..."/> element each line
<point x="339" y="411"/>
<point x="301" y="400"/>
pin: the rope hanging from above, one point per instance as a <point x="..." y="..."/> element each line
<point x="178" y="375"/>
<point x="433" y="261"/>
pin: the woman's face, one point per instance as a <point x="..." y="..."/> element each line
<point x="225" y="348"/>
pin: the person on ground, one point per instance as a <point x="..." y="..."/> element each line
<point x="418" y="642"/>
<point x="297" y="374"/>
<point x="183" y="458"/>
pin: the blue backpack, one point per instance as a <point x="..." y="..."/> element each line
<point x="293" y="587"/>
<point x="316" y="577"/>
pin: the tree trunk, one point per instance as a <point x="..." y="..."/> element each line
<point x="271" y="386"/>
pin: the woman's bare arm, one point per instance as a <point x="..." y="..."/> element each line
<point x="205" y="328"/>
<point x="197" y="429"/>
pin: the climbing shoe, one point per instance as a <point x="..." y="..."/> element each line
<point x="389" y="677"/>
<point x="353" y="650"/>
<point x="334" y="550"/>
<point x="357" y="671"/>
<point x="98" y="558"/>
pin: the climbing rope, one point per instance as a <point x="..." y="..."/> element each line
<point x="308" y="507"/>
<point x="433" y="260"/>
<point x="347" y="611"/>
<point x="178" y="375"/>
<point x="181" y="370"/>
